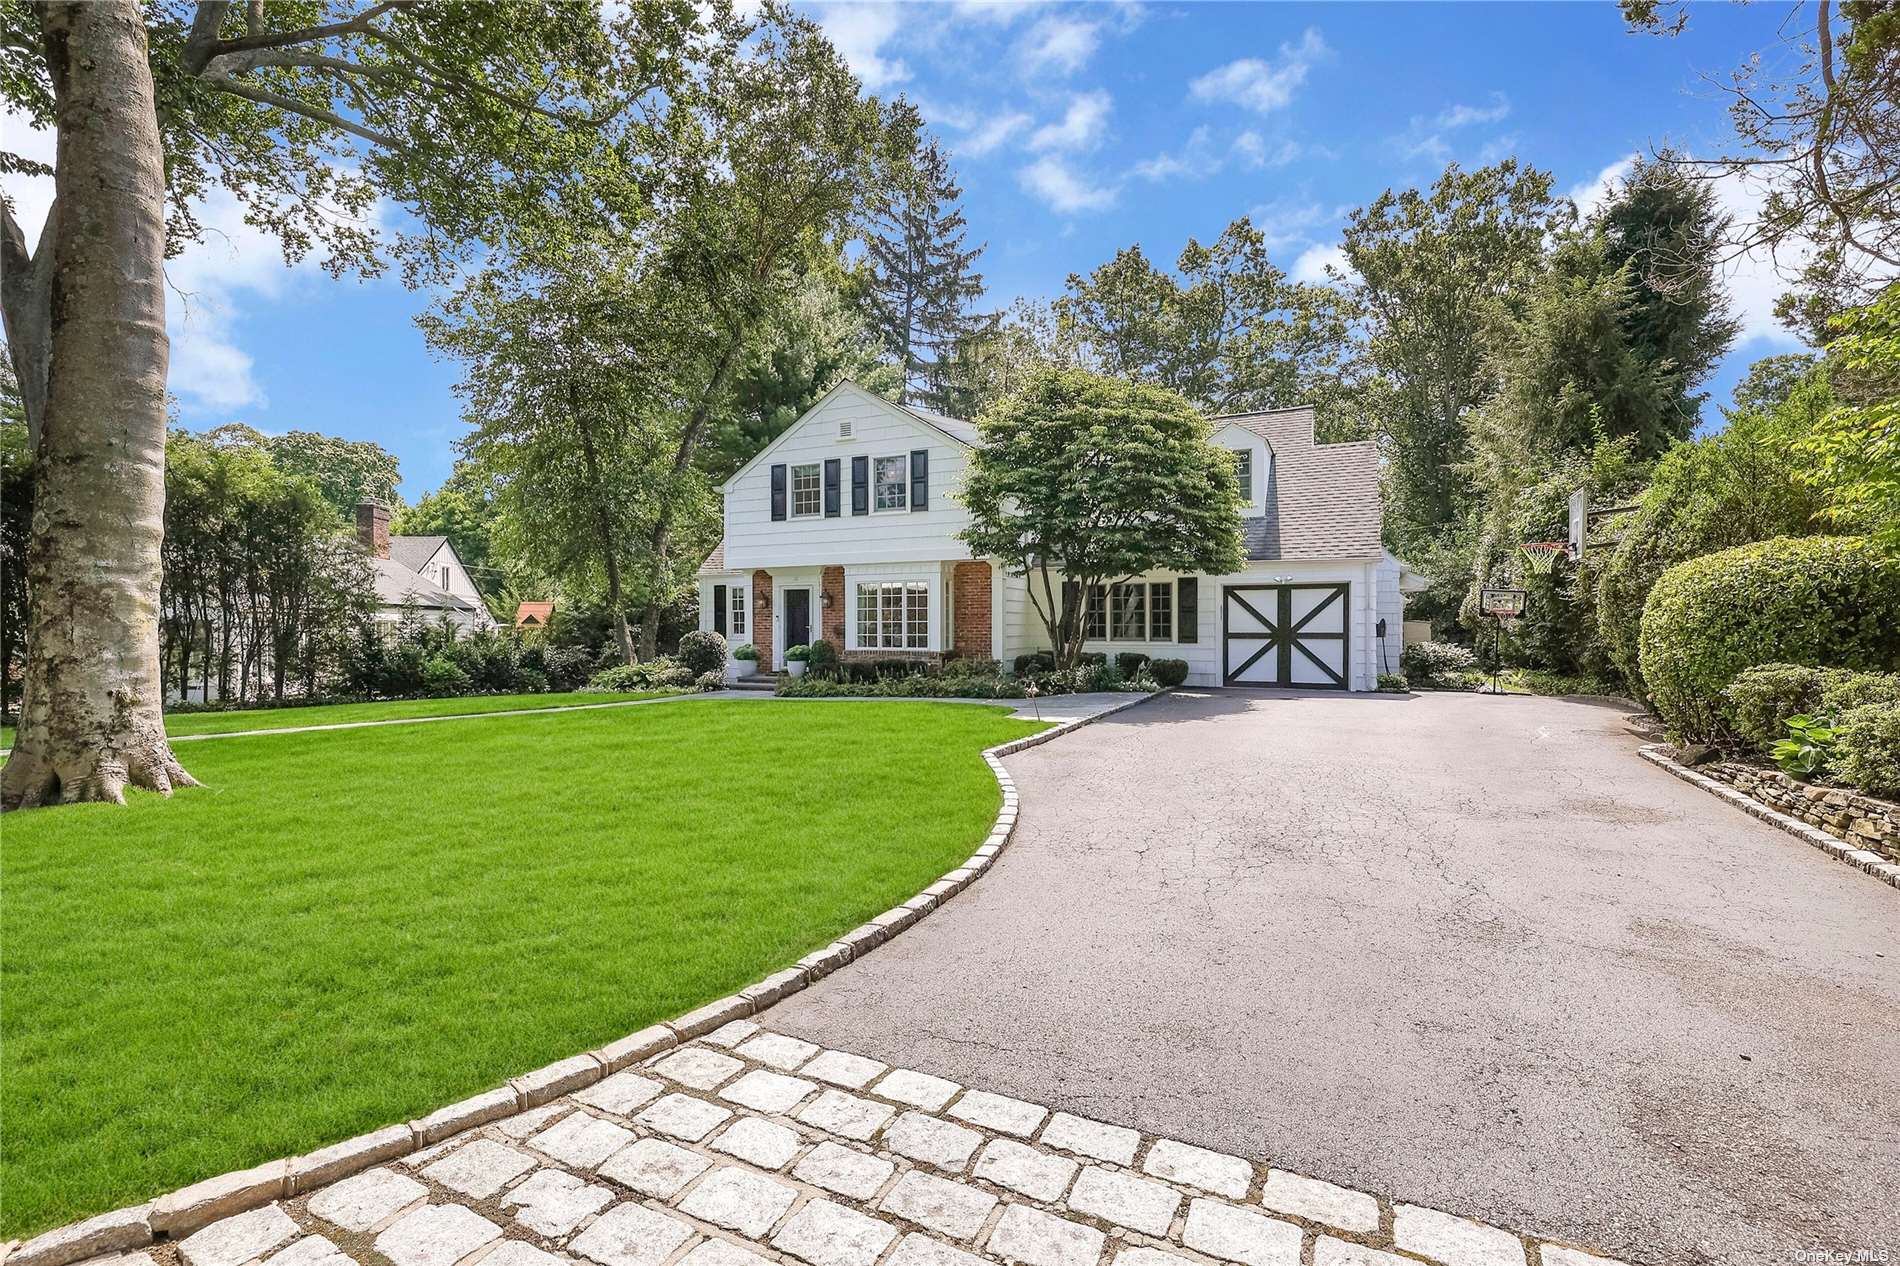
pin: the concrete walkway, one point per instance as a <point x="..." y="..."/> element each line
<point x="1468" y="951"/>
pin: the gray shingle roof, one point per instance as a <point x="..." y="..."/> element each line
<point x="1322" y="500"/>
<point x="715" y="561"/>
<point x="413" y="551"/>
<point x="396" y="584"/>
<point x="955" y="428"/>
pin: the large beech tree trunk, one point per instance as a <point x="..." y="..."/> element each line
<point x="90" y="720"/>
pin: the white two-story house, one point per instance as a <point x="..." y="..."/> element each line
<point x="846" y="528"/>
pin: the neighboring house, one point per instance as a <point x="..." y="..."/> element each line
<point x="534" y="615"/>
<point x="845" y="527"/>
<point x="422" y="571"/>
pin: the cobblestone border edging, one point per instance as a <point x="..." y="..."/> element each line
<point x="1863" y="859"/>
<point x="178" y="1214"/>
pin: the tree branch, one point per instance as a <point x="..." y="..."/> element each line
<point x="237" y="88"/>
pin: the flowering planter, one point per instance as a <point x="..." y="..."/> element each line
<point x="795" y="667"/>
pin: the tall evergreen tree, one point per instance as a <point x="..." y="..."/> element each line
<point x="920" y="285"/>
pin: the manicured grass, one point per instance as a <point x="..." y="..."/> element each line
<point x="352" y="928"/>
<point x="388" y="710"/>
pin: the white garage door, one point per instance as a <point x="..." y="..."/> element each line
<point x="1284" y="635"/>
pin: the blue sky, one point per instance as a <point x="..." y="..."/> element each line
<point x="1076" y="130"/>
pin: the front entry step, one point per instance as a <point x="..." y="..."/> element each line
<point x="756" y="681"/>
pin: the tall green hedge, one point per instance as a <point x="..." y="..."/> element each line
<point x="1826" y="601"/>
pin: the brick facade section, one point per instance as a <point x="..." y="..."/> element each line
<point x="762" y="618"/>
<point x="831" y="608"/>
<point x="970" y="618"/>
<point x="372" y="528"/>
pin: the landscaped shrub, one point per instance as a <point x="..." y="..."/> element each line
<point x="1169" y="672"/>
<point x="1437" y="664"/>
<point x="1842" y="692"/>
<point x="1131" y="663"/>
<point x="798" y="654"/>
<point x="567" y="667"/>
<point x="443" y="676"/>
<point x="710" y="681"/>
<point x="1815" y="600"/>
<point x="746" y="652"/>
<point x="823" y="658"/>
<point x="1092" y="657"/>
<point x="1867" y="749"/>
<point x="1393" y="683"/>
<point x="703" y="653"/>
<point x="1034" y="662"/>
<point x="1762" y="698"/>
<point x="660" y="673"/>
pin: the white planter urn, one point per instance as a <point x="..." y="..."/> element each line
<point x="795" y="667"/>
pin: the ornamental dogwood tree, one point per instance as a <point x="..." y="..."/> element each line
<point x="1083" y="480"/>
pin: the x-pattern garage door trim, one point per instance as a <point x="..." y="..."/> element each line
<point x="1285" y="635"/>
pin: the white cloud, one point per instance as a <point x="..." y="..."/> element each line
<point x="1254" y="151"/>
<point x="1311" y="266"/>
<point x="859" y="32"/>
<point x="1592" y="194"/>
<point x="994" y="12"/>
<point x="1080" y="127"/>
<point x="1260" y="85"/>
<point x="1457" y="116"/>
<point x="1196" y="161"/>
<point x="1064" y="189"/>
<point x="1753" y="280"/>
<point x="992" y="133"/>
<point x="1058" y="44"/>
<point x="1288" y="221"/>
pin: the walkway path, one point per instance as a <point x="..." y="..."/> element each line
<point x="749" y="1147"/>
<point x="1471" y="951"/>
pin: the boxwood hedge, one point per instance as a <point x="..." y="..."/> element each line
<point x="1827" y="601"/>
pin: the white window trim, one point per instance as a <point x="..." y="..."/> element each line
<point x="915" y="590"/>
<point x="1147" y="614"/>
<point x="903" y="484"/>
<point x="738" y="612"/>
<point x="1247" y="453"/>
<point x="791" y="490"/>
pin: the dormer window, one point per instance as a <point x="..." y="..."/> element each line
<point x="1243" y="473"/>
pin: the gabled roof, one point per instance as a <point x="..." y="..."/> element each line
<point x="537" y="612"/>
<point x="413" y="551"/>
<point x="962" y="432"/>
<point x="715" y="561"/>
<point x="396" y="585"/>
<point x="1322" y="500"/>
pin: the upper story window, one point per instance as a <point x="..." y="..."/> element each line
<point x="1243" y="473"/>
<point x="808" y="491"/>
<point x="892" y="474"/>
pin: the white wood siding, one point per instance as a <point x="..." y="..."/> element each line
<point x="1024" y="631"/>
<point x="878" y="429"/>
<point x="459" y="582"/>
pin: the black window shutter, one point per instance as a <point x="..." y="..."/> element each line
<point x="833" y="469"/>
<point x="920" y="479"/>
<point x="860" y="485"/>
<point x="1187" y="609"/>
<point x="719" y="610"/>
<point x="778" y="493"/>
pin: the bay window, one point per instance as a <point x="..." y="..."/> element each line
<point x="894" y="615"/>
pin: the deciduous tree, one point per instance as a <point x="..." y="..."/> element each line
<point x="1083" y="480"/>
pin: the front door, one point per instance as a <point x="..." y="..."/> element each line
<point x="1284" y="635"/>
<point x="797" y="618"/>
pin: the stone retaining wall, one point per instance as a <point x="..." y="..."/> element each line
<point x="1846" y="815"/>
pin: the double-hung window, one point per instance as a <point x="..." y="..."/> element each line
<point x="1128" y="612"/>
<point x="1095" y="614"/>
<point x="735" y="612"/>
<point x="892" y="481"/>
<point x="808" y="491"/>
<point x="1161" y="611"/>
<point x="894" y="615"/>
<point x="1243" y="473"/>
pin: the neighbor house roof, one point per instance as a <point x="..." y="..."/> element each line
<point x="1322" y="500"/>
<point x="413" y="551"/>
<point x="396" y="585"/>
<point x="538" y="612"/>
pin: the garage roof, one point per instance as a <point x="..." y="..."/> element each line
<point x="1322" y="500"/>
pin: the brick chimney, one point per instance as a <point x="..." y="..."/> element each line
<point x="372" y="527"/>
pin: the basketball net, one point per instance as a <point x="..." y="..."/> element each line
<point x="1541" y="556"/>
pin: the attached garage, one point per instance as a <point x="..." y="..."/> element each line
<point x="1286" y="635"/>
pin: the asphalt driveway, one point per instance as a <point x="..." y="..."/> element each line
<point x="1468" y="951"/>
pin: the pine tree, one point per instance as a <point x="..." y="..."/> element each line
<point x="919" y="285"/>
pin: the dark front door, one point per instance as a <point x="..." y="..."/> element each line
<point x="797" y="617"/>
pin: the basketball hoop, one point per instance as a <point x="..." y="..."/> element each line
<point x="1541" y="556"/>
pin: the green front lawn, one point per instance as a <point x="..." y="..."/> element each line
<point x="386" y="710"/>
<point x="351" y="928"/>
